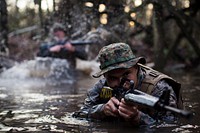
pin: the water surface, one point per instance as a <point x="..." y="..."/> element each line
<point x="38" y="104"/>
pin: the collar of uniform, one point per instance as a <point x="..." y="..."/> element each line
<point x="140" y="77"/>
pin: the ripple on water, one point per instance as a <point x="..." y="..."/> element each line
<point x="186" y="128"/>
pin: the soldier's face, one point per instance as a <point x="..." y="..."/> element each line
<point x="114" y="77"/>
<point x="59" y="34"/>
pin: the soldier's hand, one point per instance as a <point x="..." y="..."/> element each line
<point x="111" y="107"/>
<point x="69" y="47"/>
<point x="56" y="48"/>
<point x="129" y="111"/>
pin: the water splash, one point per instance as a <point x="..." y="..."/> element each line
<point x="39" y="68"/>
<point x="37" y="73"/>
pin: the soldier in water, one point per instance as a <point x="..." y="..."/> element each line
<point x="61" y="47"/>
<point x="117" y="62"/>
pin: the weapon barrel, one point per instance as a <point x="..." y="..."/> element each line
<point x="183" y="113"/>
<point x="81" y="42"/>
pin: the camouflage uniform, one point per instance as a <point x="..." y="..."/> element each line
<point x="98" y="95"/>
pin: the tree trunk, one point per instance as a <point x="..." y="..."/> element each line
<point x="40" y="13"/>
<point x="54" y="6"/>
<point x="3" y="28"/>
<point x="158" y="38"/>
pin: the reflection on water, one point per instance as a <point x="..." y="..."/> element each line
<point x="35" y="101"/>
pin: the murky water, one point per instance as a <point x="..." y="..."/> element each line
<point x="36" y="102"/>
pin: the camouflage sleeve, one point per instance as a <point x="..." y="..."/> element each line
<point x="145" y="119"/>
<point x="92" y="107"/>
<point x="162" y="116"/>
<point x="160" y="87"/>
<point x="157" y="92"/>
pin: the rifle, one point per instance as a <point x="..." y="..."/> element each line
<point x="44" y="47"/>
<point x="141" y="98"/>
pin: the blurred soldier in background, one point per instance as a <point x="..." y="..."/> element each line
<point x="60" y="47"/>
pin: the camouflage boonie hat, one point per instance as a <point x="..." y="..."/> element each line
<point x="116" y="55"/>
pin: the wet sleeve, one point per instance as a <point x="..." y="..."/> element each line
<point x="145" y="119"/>
<point x="92" y="107"/>
<point x="160" y="87"/>
<point x="157" y="92"/>
<point x="160" y="116"/>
